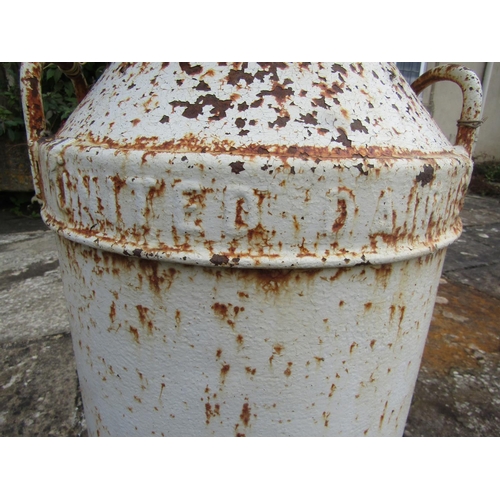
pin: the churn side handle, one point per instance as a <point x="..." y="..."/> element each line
<point x="34" y="116"/>
<point x="472" y="98"/>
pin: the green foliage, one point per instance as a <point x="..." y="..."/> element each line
<point x="489" y="170"/>
<point x="11" y="116"/>
<point x="57" y="92"/>
<point x="22" y="206"/>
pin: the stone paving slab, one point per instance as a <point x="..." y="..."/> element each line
<point x="457" y="392"/>
<point x="458" y="388"/>
<point x="31" y="296"/>
<point x="39" y="393"/>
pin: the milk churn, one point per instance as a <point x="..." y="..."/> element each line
<point x="251" y="249"/>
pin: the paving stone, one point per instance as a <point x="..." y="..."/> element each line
<point x="39" y="393"/>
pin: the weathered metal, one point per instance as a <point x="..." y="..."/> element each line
<point x="470" y="85"/>
<point x="74" y="72"/>
<point x="290" y="221"/>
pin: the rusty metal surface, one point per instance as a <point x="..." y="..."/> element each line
<point x="175" y="350"/>
<point x="457" y="391"/>
<point x="152" y="164"/>
<point x="34" y="116"/>
<point x="251" y="249"/>
<point x="470" y="85"/>
<point x="315" y="110"/>
<point x="74" y="72"/>
<point x="191" y="208"/>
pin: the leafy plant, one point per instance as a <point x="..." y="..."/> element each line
<point x="57" y="93"/>
<point x="489" y="170"/>
<point x="22" y="206"/>
<point x="11" y="116"/>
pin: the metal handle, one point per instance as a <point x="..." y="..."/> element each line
<point x="34" y="115"/>
<point x="471" y="94"/>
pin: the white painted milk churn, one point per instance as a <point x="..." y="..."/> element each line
<point x="251" y="249"/>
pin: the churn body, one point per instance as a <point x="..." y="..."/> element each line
<point x="250" y="249"/>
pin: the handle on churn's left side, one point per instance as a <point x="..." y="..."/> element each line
<point x="472" y="96"/>
<point x="34" y="115"/>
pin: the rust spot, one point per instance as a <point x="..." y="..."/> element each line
<point x="401" y="314"/>
<point x="235" y="75"/>
<point x="426" y="176"/>
<point x="219" y="259"/>
<point x="288" y="370"/>
<point x="277" y="348"/>
<point x="338" y="272"/>
<point x="150" y="269"/>
<point x="280" y="121"/>
<point x="112" y="312"/>
<point x="243" y="294"/>
<point x="277" y="280"/>
<point x="203" y="86"/>
<point x="220" y="310"/>
<point x="332" y="390"/>
<point x="135" y="333"/>
<point x="236" y="167"/>
<point x="343" y="139"/>
<point x="223" y="372"/>
<point x="337" y="68"/>
<point x="368" y="306"/>
<point x="372" y="343"/>
<point x="245" y="414"/>
<point x="239" y="339"/>
<point x="238" y="219"/>
<point x="193" y="110"/>
<point x="250" y="371"/>
<point x="321" y="103"/>
<point x="326" y="416"/>
<point x="177" y="318"/>
<point x="353" y="346"/>
<point x="340" y="220"/>
<point x="240" y="122"/>
<point x="383" y="415"/>
<point x="270" y="69"/>
<point x="190" y="70"/>
<point x="382" y="274"/>
<point x="208" y="412"/>
<point x="341" y="303"/>
<point x="392" y="312"/>
<point x="218" y="354"/>
<point x="143" y="311"/>
<point x="309" y="119"/>
<point x="356" y="125"/>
